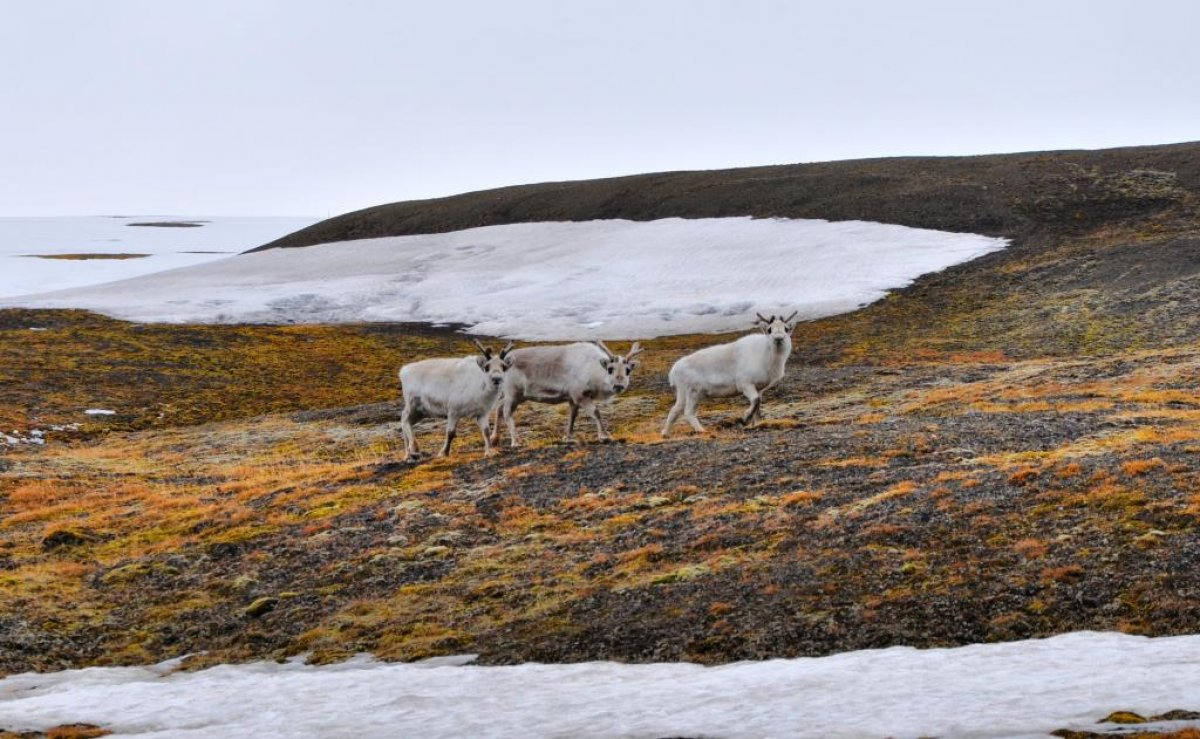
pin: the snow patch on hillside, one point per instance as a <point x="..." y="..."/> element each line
<point x="598" y="279"/>
<point x="1025" y="688"/>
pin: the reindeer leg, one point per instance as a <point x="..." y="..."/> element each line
<point x="673" y="415"/>
<point x="594" y="411"/>
<point x="510" y="407"/>
<point x="503" y="410"/>
<point x="494" y="436"/>
<point x="487" y="440"/>
<point x="689" y="411"/>
<point x="572" y="412"/>
<point x="451" y="430"/>
<point x="755" y="399"/>
<point x="408" y="416"/>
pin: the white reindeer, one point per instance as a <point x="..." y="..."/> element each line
<point x="749" y="366"/>
<point x="454" y="388"/>
<point x="580" y="375"/>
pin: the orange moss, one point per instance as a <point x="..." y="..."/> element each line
<point x="1068" y="471"/>
<point x="1031" y="548"/>
<point x="800" y="497"/>
<point x="1023" y="475"/>
<point x="1065" y="573"/>
<point x="1137" y="467"/>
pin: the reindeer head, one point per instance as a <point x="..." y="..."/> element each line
<point x="777" y="327"/>
<point x="619" y="367"/>
<point x="493" y="364"/>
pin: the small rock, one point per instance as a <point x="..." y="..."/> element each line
<point x="1123" y="717"/>
<point x="1149" y="539"/>
<point x="125" y="573"/>
<point x="653" y="501"/>
<point x="243" y="582"/>
<point x="436" y="552"/>
<point x="1177" y="715"/>
<point x="260" y="606"/>
<point x="683" y="574"/>
<point x="67" y="538"/>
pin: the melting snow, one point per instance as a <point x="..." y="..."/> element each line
<point x="1025" y="688"/>
<point x="597" y="279"/>
<point x="99" y="412"/>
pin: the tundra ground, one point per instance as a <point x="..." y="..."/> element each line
<point x="249" y="500"/>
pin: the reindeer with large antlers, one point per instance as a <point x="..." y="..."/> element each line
<point x="580" y="375"/>
<point x="453" y="388"/>
<point x="750" y="366"/>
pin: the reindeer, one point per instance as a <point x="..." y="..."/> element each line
<point x="749" y="366"/>
<point x="453" y="388"/>
<point x="580" y="375"/>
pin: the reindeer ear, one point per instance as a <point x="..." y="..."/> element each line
<point x="480" y="360"/>
<point x="603" y="363"/>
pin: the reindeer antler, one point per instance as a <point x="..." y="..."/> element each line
<point x="605" y="349"/>
<point x="789" y="318"/>
<point x="507" y="348"/>
<point x="634" y="350"/>
<point x="760" y="317"/>
<point x="487" y="353"/>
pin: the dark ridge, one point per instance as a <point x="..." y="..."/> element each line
<point x="1012" y="195"/>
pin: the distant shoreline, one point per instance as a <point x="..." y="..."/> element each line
<point x="79" y="256"/>
<point x="169" y="224"/>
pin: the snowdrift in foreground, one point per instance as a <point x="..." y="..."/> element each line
<point x="1016" y="689"/>
<point x="597" y="279"/>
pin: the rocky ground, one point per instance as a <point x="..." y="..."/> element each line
<point x="928" y="503"/>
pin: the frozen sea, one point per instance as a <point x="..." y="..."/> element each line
<point x="23" y="241"/>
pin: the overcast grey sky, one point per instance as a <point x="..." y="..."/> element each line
<point x="315" y="107"/>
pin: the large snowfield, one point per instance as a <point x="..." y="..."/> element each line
<point x="24" y="240"/>
<point x="610" y="279"/>
<point x="1017" y="689"/>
